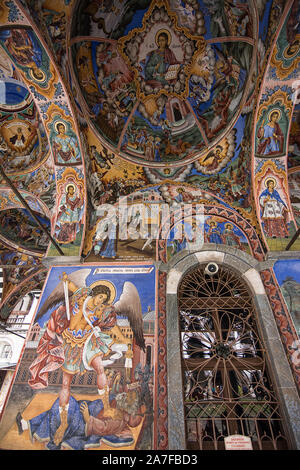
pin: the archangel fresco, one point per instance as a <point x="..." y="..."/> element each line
<point x="89" y="363"/>
<point x="155" y="89"/>
<point x="288" y="277"/>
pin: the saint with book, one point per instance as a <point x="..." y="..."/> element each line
<point x="161" y="65"/>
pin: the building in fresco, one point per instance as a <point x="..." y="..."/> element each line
<point x="149" y="174"/>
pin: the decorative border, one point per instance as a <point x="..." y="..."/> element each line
<point x="283" y="319"/>
<point x="162" y="391"/>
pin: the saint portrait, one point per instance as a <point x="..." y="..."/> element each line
<point x="161" y="64"/>
<point x="69" y="215"/>
<point x="65" y="146"/>
<point x="273" y="211"/>
<point x="270" y="135"/>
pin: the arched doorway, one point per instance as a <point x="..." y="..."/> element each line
<point x="227" y="383"/>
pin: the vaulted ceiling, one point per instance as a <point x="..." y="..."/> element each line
<point x="143" y="98"/>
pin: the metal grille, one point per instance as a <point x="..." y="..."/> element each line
<point x="227" y="386"/>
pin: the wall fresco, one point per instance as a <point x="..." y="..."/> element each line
<point x="287" y="275"/>
<point x="112" y="405"/>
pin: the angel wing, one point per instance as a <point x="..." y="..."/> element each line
<point x="129" y="305"/>
<point x="57" y="296"/>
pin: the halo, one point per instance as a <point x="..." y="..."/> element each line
<point x="288" y="55"/>
<point x="274" y="110"/>
<point x="68" y="186"/>
<point x="228" y="225"/>
<point x="163" y="31"/>
<point x="57" y="124"/>
<point x="38" y="79"/>
<point x="108" y="284"/>
<point x="270" y="179"/>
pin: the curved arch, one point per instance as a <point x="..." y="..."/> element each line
<point x="226" y="214"/>
<point x="50" y="95"/>
<point x="246" y="268"/>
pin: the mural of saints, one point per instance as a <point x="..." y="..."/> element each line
<point x="159" y="60"/>
<point x="270" y="136"/>
<point x="273" y="211"/>
<point x="65" y="146"/>
<point x="69" y="215"/>
<point x="77" y="340"/>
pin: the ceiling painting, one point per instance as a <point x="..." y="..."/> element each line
<point x="168" y="88"/>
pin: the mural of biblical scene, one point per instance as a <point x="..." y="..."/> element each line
<point x="271" y="133"/>
<point x="226" y="18"/>
<point x="225" y="68"/>
<point x="64" y="143"/>
<point x="190" y="235"/>
<point x="286" y="55"/>
<point x="40" y="183"/>
<point x="19" y="227"/>
<point x="7" y="69"/>
<point x="217" y="158"/>
<point x="96" y="391"/>
<point x="107" y="85"/>
<point x="25" y="265"/>
<point x="24" y="48"/>
<point x="159" y="92"/>
<point x="131" y="229"/>
<point x="288" y="277"/>
<point x="275" y="215"/>
<point x="294" y="138"/>
<point x="107" y="19"/>
<point x="23" y="141"/>
<point x="232" y="182"/>
<point x="68" y="223"/>
<point x="294" y="190"/>
<point x="162" y="142"/>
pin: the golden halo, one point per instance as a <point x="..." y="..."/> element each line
<point x="163" y="31"/>
<point x="270" y="179"/>
<point x="58" y="123"/>
<point x="71" y="184"/>
<point x="108" y="284"/>
<point x="31" y="73"/>
<point x="228" y="225"/>
<point x="286" y="54"/>
<point x="274" y="110"/>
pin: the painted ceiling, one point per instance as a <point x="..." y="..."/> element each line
<point x="157" y="101"/>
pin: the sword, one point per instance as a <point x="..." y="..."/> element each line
<point x="67" y="299"/>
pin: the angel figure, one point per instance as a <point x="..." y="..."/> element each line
<point x="77" y="338"/>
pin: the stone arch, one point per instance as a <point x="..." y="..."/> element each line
<point x="248" y="269"/>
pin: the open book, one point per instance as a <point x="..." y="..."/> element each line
<point x="172" y="72"/>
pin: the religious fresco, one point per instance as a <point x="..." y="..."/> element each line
<point x="191" y="235"/>
<point x="294" y="139"/>
<point x="272" y="123"/>
<point x="19" y="227"/>
<point x="23" y="140"/>
<point x="58" y="125"/>
<point x="285" y="59"/>
<point x="68" y="224"/>
<point x="294" y="190"/>
<point x="108" y="329"/>
<point x="276" y="140"/>
<point x="273" y="203"/>
<point x="161" y="93"/>
<point x="287" y="273"/>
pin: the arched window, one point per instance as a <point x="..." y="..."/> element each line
<point x="227" y="384"/>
